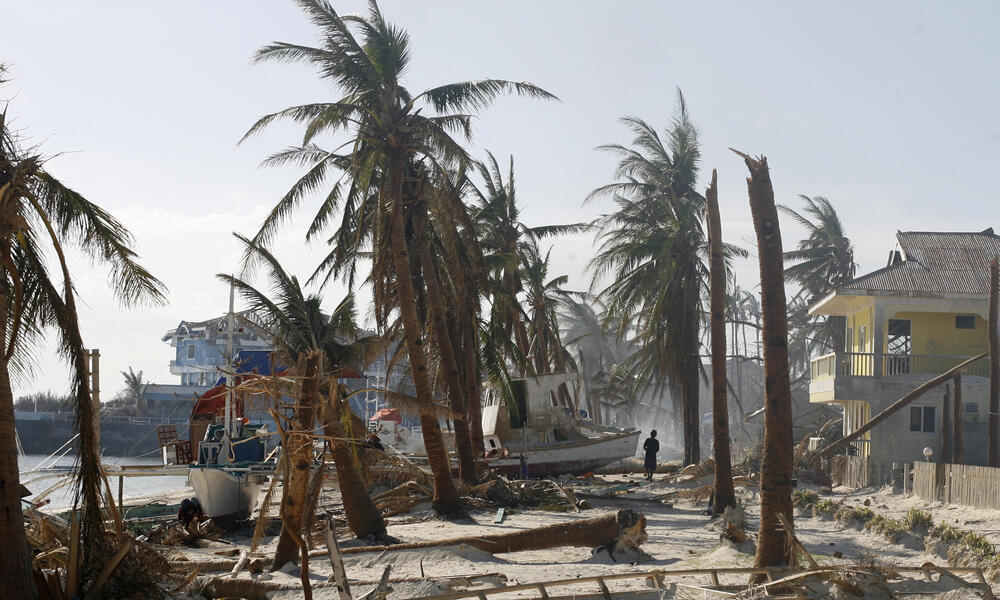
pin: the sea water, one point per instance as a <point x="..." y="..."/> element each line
<point x="133" y="487"/>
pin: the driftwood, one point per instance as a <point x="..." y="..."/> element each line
<point x="626" y="529"/>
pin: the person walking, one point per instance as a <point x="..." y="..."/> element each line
<point x="651" y="446"/>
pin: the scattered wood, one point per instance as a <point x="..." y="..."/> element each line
<point x="109" y="568"/>
<point x="339" y="573"/>
<point x="794" y="541"/>
<point x="382" y="589"/>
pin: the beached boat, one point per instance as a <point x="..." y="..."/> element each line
<point x="539" y="433"/>
<point x="230" y="465"/>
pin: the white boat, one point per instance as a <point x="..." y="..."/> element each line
<point x="540" y="434"/>
<point x="229" y="468"/>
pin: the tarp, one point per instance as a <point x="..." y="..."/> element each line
<point x="258" y="362"/>
<point x="387" y="414"/>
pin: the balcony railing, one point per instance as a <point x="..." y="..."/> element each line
<point x="862" y="364"/>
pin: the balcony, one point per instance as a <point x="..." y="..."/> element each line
<point x="854" y="375"/>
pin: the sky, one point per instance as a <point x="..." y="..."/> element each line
<point x="888" y="109"/>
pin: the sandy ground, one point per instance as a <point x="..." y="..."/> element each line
<point x="680" y="537"/>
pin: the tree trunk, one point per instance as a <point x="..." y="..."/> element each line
<point x="725" y="495"/>
<point x="294" y="495"/>
<point x="15" y="562"/>
<point x="625" y="528"/>
<point x="446" y="500"/>
<point x="363" y="517"/>
<point x="446" y="351"/>
<point x="994" y="432"/>
<point x="776" y="465"/>
<point x="473" y="397"/>
<point x="690" y="404"/>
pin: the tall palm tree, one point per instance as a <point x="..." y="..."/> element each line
<point x="654" y="249"/>
<point x="40" y="216"/>
<point x="821" y="262"/>
<point x="300" y="327"/>
<point x="776" y="462"/>
<point x="388" y="128"/>
<point x="507" y="243"/>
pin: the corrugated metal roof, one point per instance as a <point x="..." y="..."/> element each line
<point x="936" y="263"/>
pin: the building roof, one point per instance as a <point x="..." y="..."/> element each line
<point x="934" y="263"/>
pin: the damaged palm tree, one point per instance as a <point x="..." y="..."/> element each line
<point x="619" y="531"/>
<point x="319" y="343"/>
<point x="725" y="495"/>
<point x="776" y="465"/>
<point x="38" y="216"/>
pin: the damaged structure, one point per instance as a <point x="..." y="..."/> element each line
<point x="922" y="314"/>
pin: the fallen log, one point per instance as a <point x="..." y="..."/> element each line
<point x="623" y="529"/>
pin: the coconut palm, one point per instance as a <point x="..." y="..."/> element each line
<point x="822" y="261"/>
<point x="506" y="242"/>
<point x="300" y="327"/>
<point x="653" y="247"/>
<point x="135" y="387"/>
<point x="776" y="463"/>
<point x="388" y="129"/>
<point x="42" y="217"/>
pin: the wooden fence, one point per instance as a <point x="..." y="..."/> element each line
<point x="957" y="484"/>
<point x="852" y="471"/>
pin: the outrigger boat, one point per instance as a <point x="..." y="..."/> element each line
<point x="540" y="434"/>
<point x="230" y="465"/>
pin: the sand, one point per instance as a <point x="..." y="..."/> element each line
<point x="680" y="537"/>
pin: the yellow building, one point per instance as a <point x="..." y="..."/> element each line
<point x="922" y="314"/>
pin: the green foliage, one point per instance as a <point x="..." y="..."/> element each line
<point x="804" y="498"/>
<point x="825" y="508"/>
<point x="45" y="402"/>
<point x="978" y="545"/>
<point x="892" y="529"/>
<point x="946" y="532"/>
<point x="850" y="514"/>
<point x="918" y="520"/>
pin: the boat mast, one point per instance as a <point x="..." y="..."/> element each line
<point x="232" y="363"/>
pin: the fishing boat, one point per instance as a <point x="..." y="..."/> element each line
<point x="230" y="462"/>
<point x="539" y="432"/>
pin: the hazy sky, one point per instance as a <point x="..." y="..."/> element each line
<point x="889" y="109"/>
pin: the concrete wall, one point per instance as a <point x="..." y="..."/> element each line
<point x="892" y="440"/>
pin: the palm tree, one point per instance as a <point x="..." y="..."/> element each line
<point x="507" y="242"/>
<point x="389" y="128"/>
<point x="725" y="496"/>
<point x="40" y="216"/>
<point x="301" y="329"/>
<point x="776" y="463"/>
<point x="135" y="387"/>
<point x="653" y="248"/>
<point x="822" y="261"/>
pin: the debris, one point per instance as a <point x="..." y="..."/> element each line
<point x="501" y="515"/>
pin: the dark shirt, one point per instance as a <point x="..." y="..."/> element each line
<point x="651" y="446"/>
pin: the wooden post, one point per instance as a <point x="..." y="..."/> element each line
<point x="946" y="429"/>
<point x="121" y="487"/>
<point x="994" y="430"/>
<point x="957" y="423"/>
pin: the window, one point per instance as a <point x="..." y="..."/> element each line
<point x="899" y="336"/>
<point x="190" y="350"/>
<point x="965" y="322"/>
<point x="922" y="419"/>
<point x="861" y="338"/>
<point x="972" y="408"/>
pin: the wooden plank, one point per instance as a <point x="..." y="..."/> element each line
<point x="333" y="550"/>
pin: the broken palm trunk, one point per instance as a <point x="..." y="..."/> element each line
<point x="623" y="530"/>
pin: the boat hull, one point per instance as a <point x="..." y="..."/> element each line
<point x="225" y="494"/>
<point x="574" y="458"/>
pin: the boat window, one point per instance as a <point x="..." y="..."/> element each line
<point x="518" y="409"/>
<point x="493" y="444"/>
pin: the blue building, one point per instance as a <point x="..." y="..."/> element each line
<point x="201" y="347"/>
